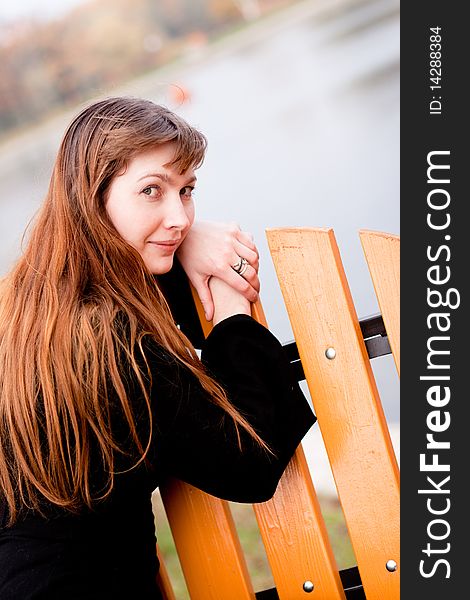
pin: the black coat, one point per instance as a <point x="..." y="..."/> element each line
<point x="109" y="553"/>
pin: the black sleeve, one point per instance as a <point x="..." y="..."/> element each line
<point x="197" y="442"/>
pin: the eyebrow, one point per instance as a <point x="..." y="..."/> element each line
<point x="166" y="178"/>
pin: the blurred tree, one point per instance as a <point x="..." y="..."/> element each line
<point x="102" y="43"/>
<point x="250" y="9"/>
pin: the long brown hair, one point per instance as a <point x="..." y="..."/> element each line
<point x="61" y="344"/>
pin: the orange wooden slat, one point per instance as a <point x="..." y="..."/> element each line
<point x="345" y="398"/>
<point x="205" y="536"/>
<point x="382" y="252"/>
<point x="292" y="526"/>
<point x="295" y="537"/>
<point x="294" y="532"/>
<point x="207" y="544"/>
<point x="163" y="579"/>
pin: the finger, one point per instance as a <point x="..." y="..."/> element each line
<point x="247" y="239"/>
<point x="244" y="252"/>
<point x="205" y="296"/>
<point x="242" y="285"/>
<point x="251" y="276"/>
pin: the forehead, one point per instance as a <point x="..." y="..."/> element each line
<point x="157" y="157"/>
<point x="157" y="160"/>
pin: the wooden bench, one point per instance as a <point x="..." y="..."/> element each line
<point x="332" y="351"/>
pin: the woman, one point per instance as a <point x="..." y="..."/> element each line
<point x="101" y="395"/>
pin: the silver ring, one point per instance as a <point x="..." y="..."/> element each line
<point x="244" y="267"/>
<point x="241" y="266"/>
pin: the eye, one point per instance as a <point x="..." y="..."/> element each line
<point x="153" y="191"/>
<point x="187" y="191"/>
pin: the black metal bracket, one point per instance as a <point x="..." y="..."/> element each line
<point x="350" y="580"/>
<point x="374" y="335"/>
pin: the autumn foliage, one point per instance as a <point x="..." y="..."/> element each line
<point x="48" y="65"/>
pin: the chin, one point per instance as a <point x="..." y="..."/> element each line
<point x="161" y="266"/>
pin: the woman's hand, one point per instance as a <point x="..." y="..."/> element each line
<point x="212" y="249"/>
<point x="227" y="301"/>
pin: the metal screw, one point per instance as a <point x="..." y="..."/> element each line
<point x="391" y="566"/>
<point x="308" y="586"/>
<point x="330" y="353"/>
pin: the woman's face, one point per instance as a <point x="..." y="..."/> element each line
<point x="151" y="206"/>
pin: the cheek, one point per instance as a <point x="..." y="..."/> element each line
<point x="116" y="207"/>
<point x="131" y="225"/>
<point x="190" y="212"/>
<point x="131" y="221"/>
<point x="122" y="220"/>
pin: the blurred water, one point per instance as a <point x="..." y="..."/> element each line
<point x="302" y="116"/>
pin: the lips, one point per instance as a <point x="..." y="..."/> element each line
<point x="169" y="243"/>
<point x="165" y="247"/>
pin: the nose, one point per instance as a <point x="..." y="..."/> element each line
<point x="176" y="215"/>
